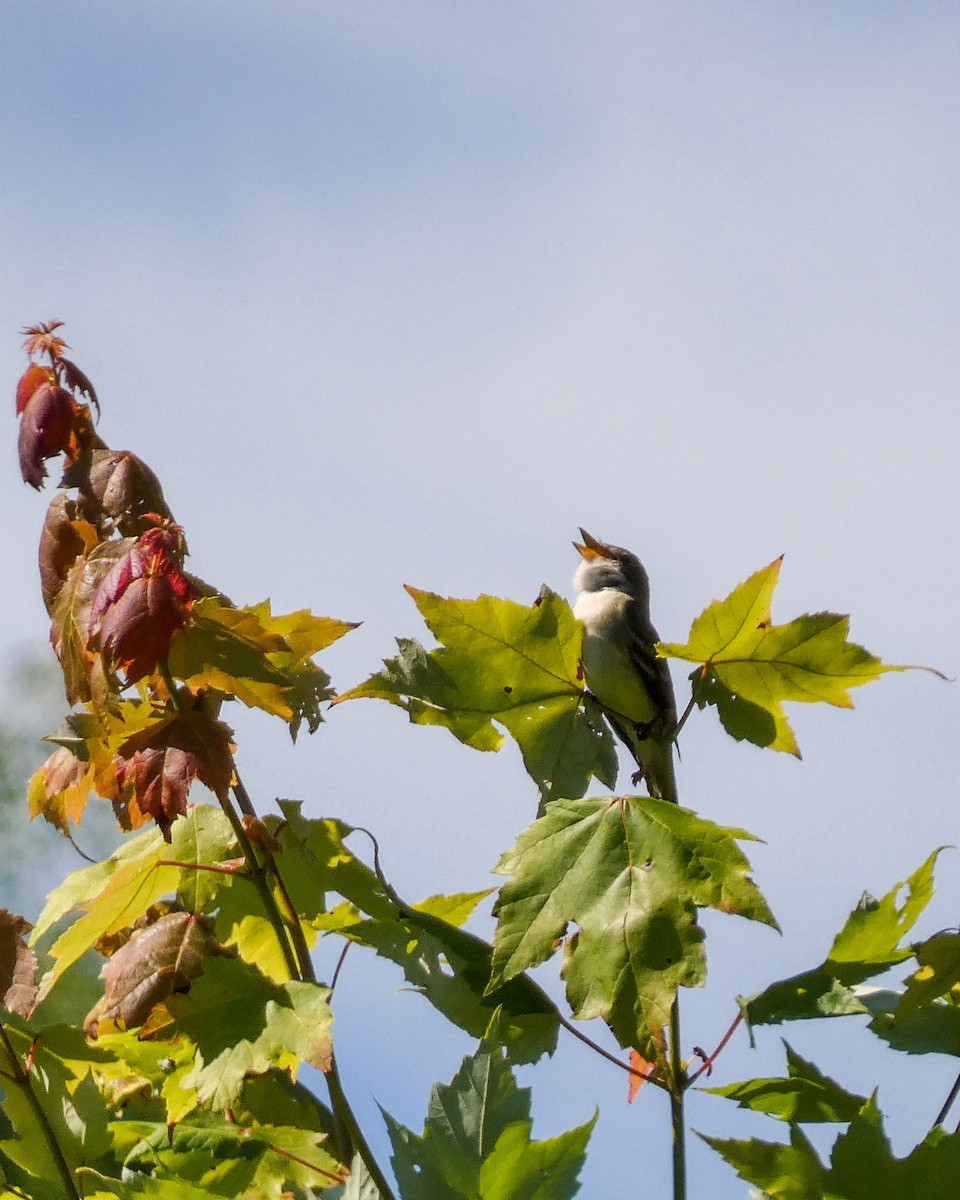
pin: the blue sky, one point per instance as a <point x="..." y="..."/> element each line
<point x="405" y="293"/>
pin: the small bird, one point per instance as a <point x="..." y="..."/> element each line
<point x="620" y="666"/>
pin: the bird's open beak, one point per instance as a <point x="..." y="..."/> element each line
<point x="591" y="548"/>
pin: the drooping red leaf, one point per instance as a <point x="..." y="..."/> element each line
<point x="34" y="377"/>
<point x="141" y="603"/>
<point x="46" y="429"/>
<point x="76" y="381"/>
<point x="163" y="760"/>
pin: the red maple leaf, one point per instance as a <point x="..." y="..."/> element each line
<point x="47" y="427"/>
<point x="164" y="760"/>
<point x="141" y="602"/>
<point x="33" y="377"/>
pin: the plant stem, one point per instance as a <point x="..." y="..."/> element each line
<point x="948" y="1103"/>
<point x="349" y="1136"/>
<point x="259" y="879"/>
<point x="49" y="1136"/>
<point x="677" y="1089"/>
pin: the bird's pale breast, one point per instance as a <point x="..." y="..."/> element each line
<point x="607" y="667"/>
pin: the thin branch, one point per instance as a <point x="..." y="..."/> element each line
<point x="948" y="1103"/>
<point x="711" y="1059"/>
<point x="49" y="1136"/>
<point x="612" y="1058"/>
<point x="678" y="1087"/>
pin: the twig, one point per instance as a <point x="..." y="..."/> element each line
<point x="49" y="1136"/>
<point x="711" y="1059"/>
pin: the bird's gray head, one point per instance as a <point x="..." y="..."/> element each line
<point x="604" y="566"/>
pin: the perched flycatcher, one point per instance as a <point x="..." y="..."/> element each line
<point x="620" y="666"/>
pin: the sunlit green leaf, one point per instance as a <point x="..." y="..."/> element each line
<point x="629" y="873"/>
<point x="748" y="666"/>
<point x="507" y="664"/>
<point x="867" y="945"/>
<point x="806" y="1095"/>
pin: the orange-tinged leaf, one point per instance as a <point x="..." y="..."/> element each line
<point x="42" y="338"/>
<point x="239" y="652"/>
<point x="34" y="377"/>
<point x="67" y="533"/>
<point x="59" y="790"/>
<point x="643" y="1071"/>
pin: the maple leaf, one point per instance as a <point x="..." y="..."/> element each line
<point x="749" y="666"/>
<point x="163" y="760"/>
<point x="59" y="789"/>
<point x="83" y="675"/>
<point x="43" y="339"/>
<point x="124" y="488"/>
<point x="142" y="601"/>
<point x="500" y="663"/>
<point x="153" y="963"/>
<point x="46" y="429"/>
<point x="261" y="659"/>
<point x="33" y="378"/>
<point x="68" y="532"/>
<point x="77" y="381"/>
<point x="18" y="965"/>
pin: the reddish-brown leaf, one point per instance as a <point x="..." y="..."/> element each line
<point x="163" y="760"/>
<point x="34" y="377"/>
<point x="46" y="429"/>
<point x="42" y="339"/>
<point x="154" y="962"/>
<point x="125" y="489"/>
<point x="76" y="381"/>
<point x="141" y="603"/>
<point x="18" y="965"/>
<point x="67" y="533"/>
<point x="70" y="623"/>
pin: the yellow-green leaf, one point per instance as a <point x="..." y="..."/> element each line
<point x="507" y="664"/>
<point x="749" y="666"/>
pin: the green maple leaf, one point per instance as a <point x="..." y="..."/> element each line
<point x="748" y="666"/>
<point x="630" y="873"/>
<point x="252" y="1161"/>
<point x="110" y="896"/>
<point x="263" y="660"/>
<point x="476" y="1142"/>
<point x="792" y="1172"/>
<point x="242" y="1024"/>
<point x="451" y="968"/>
<point x="806" y="1095"/>
<point x="937" y="973"/>
<point x="868" y="944"/>
<point x="863" y="1167"/>
<point x="74" y="1113"/>
<point x="509" y="665"/>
